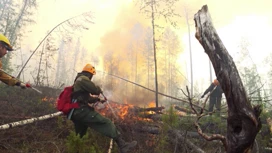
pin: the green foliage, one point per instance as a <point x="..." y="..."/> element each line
<point x="76" y="144"/>
<point x="171" y="121"/>
<point x="171" y="118"/>
<point x="265" y="114"/>
<point x="248" y="71"/>
<point x="213" y="124"/>
<point x="92" y="142"/>
<point x="60" y="121"/>
<point x="163" y="144"/>
<point x="187" y="123"/>
<point x="263" y="137"/>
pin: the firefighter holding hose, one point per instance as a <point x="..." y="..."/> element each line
<point x="4" y="77"/>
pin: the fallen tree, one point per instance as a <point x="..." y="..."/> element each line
<point x="28" y="121"/>
<point x="243" y="122"/>
<point x="184" y="110"/>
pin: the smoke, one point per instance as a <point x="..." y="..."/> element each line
<point x="127" y="52"/>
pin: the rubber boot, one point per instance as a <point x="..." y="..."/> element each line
<point x="123" y="146"/>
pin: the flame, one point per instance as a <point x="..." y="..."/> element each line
<point x="121" y="110"/>
<point x="126" y="112"/>
<point x="152" y="104"/>
<point x="48" y="99"/>
<point x="44" y="99"/>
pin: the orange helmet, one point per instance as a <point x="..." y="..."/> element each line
<point x="215" y="82"/>
<point x="89" y="68"/>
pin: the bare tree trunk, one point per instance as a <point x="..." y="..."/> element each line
<point x="21" y="54"/>
<point x="243" y="119"/>
<point x="4" y="4"/>
<point x="136" y="72"/>
<point x="46" y="71"/>
<point x="155" y="56"/>
<point x="39" y="67"/>
<point x="22" y="12"/>
<point x="190" y="49"/>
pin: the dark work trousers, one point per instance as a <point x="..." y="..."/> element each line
<point x="86" y="116"/>
<point x="215" y="101"/>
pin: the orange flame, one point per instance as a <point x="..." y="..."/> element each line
<point x="120" y="109"/>
<point x="152" y="104"/>
<point x="46" y="99"/>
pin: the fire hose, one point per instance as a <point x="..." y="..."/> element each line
<point x="26" y="84"/>
<point x="106" y="100"/>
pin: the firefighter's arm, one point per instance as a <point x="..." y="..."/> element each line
<point x="93" y="99"/>
<point x="89" y="86"/>
<point x="11" y="81"/>
<point x="208" y="90"/>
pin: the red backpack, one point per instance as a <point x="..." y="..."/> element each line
<point x="64" y="102"/>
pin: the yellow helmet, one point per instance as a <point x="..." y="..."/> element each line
<point x="89" y="68"/>
<point x="6" y="42"/>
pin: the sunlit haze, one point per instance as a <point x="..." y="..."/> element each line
<point x="117" y="22"/>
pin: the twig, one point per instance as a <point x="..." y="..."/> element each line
<point x="199" y="130"/>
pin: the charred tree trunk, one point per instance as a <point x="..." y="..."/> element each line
<point x="243" y="119"/>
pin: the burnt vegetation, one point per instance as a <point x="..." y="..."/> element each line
<point x="157" y="129"/>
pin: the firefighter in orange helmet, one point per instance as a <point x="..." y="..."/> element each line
<point x="4" y="77"/>
<point x="85" y="116"/>
<point x="215" y="96"/>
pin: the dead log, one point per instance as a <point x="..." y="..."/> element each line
<point x="28" y="121"/>
<point x="154" y="117"/>
<point x="148" y="129"/>
<point x="154" y="109"/>
<point x="176" y="133"/>
<point x="184" y="110"/>
<point x="243" y="119"/>
<point x="173" y="135"/>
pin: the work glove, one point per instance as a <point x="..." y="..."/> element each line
<point x="23" y="85"/>
<point x="202" y="96"/>
<point x="102" y="100"/>
<point x="93" y="99"/>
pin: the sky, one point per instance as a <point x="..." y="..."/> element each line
<point x="234" y="20"/>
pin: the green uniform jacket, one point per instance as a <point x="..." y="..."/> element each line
<point x="84" y="116"/>
<point x="217" y="92"/>
<point x="85" y="86"/>
<point x="7" y="79"/>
